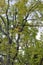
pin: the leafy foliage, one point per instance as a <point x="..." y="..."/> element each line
<point x="19" y="24"/>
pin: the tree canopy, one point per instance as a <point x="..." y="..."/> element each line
<point x="20" y="21"/>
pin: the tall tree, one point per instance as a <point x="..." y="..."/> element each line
<point x="19" y="24"/>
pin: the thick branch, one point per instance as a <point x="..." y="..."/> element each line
<point x="17" y="46"/>
<point x="10" y="40"/>
<point x="7" y="17"/>
<point x="17" y="49"/>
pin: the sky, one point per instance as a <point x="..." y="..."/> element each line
<point x="40" y="28"/>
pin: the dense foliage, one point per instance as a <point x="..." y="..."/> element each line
<point x="20" y="21"/>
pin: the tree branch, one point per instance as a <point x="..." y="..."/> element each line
<point x="41" y="61"/>
<point x="17" y="41"/>
<point x="2" y="20"/>
<point x="3" y="31"/>
<point x="10" y="40"/>
<point x="7" y="17"/>
<point x="14" y="18"/>
<point x="25" y="20"/>
<point x="31" y="9"/>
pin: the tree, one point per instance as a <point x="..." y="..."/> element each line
<point x="18" y="43"/>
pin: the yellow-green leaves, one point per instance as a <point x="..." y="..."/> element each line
<point x="19" y="23"/>
<point x="2" y="3"/>
<point x="22" y="9"/>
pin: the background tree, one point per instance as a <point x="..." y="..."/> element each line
<point x="19" y="24"/>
